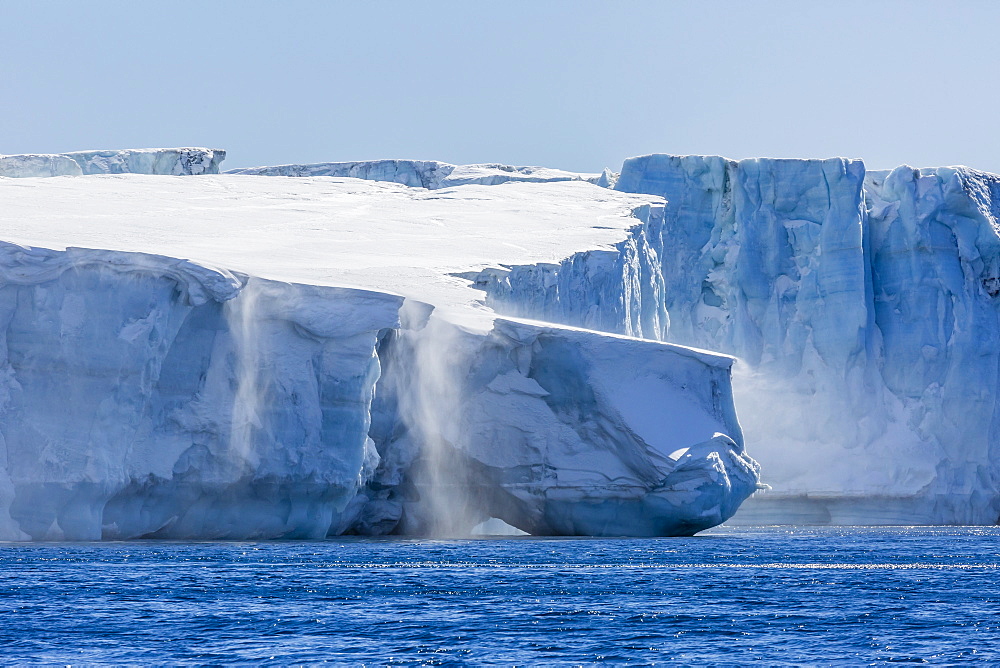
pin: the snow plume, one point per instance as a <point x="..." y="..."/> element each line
<point x="554" y="431"/>
<point x="243" y="319"/>
<point x="430" y="407"/>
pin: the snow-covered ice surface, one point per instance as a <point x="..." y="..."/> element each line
<point x="171" y="161"/>
<point x="328" y="231"/>
<point x="863" y="308"/>
<point x="235" y="357"/>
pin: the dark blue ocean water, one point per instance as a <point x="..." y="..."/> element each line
<point x="783" y="595"/>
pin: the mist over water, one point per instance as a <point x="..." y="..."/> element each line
<point x="811" y="433"/>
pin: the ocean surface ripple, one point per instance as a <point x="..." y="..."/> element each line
<point x="784" y="595"/>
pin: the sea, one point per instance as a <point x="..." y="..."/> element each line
<point x="729" y="596"/>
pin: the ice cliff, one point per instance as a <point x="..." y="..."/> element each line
<point x="321" y="364"/>
<point x="862" y="305"/>
<point x="555" y="431"/>
<point x="168" y="161"/>
<point x="428" y="173"/>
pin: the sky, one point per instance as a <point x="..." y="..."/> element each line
<point x="576" y="85"/>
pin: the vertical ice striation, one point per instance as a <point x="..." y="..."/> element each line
<point x="935" y="255"/>
<point x="145" y="396"/>
<point x="862" y="308"/>
<point x="619" y="289"/>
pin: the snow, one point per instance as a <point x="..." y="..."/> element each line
<point x="324" y="231"/>
<point x="233" y="356"/>
<point x="495" y="526"/>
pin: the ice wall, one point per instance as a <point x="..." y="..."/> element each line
<point x="556" y="432"/>
<point x="619" y="289"/>
<point x="166" y="161"/>
<point x="146" y="396"/>
<point x="426" y="173"/>
<point x="861" y="307"/>
<point x="413" y="173"/>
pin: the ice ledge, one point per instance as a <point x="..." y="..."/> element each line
<point x="160" y="161"/>
<point x="526" y="329"/>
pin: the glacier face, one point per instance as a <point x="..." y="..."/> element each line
<point x="862" y="306"/>
<point x="413" y="173"/>
<point x="162" y="161"/>
<point x="145" y="395"/>
<point x="429" y="174"/>
<point x="555" y="431"/>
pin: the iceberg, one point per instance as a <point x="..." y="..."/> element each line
<point x="164" y="161"/>
<point x="862" y="306"/>
<point x="231" y="357"/>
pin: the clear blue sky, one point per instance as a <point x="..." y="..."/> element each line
<point x="577" y="85"/>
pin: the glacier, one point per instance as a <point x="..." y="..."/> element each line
<point x="861" y="305"/>
<point x="233" y="357"/>
<point x="430" y="174"/>
<point x="167" y="161"/>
